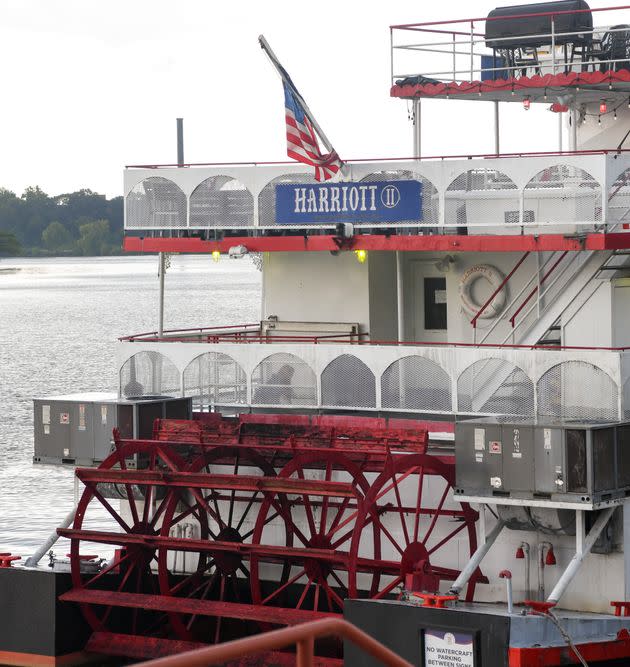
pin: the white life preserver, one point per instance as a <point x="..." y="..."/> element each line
<point x="495" y="278"/>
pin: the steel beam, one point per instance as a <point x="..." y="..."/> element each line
<point x="429" y="243"/>
<point x="213" y="481"/>
<point x="182" y="605"/>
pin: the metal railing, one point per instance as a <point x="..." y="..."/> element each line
<point x="455" y="54"/>
<point x="303" y="636"/>
<point x="483" y="193"/>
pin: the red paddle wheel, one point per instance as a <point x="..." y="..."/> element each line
<point x="230" y="526"/>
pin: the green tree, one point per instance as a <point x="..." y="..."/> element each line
<point x="93" y="239"/>
<point x="56" y="237"/>
<point x="9" y="245"/>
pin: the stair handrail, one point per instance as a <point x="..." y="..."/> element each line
<point x="515" y="299"/>
<point x="546" y="291"/>
<point x="537" y="287"/>
<point x="302" y="635"/>
<point x="498" y="289"/>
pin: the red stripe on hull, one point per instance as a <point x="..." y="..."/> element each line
<point x="380" y="242"/>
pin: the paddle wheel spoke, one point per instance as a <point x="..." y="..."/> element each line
<point x="129" y="570"/>
<point x="221" y="515"/>
<point x="389" y="505"/>
<point x="312" y="532"/>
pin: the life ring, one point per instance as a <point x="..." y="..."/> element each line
<point x="495" y="278"/>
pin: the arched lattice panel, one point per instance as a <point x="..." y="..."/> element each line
<point x="221" y="201"/>
<point x="284" y="379"/>
<point x="149" y="373"/>
<point x="481" y="196"/>
<point x="267" y="196"/>
<point x="562" y="193"/>
<point x="348" y="382"/>
<point x="577" y="390"/>
<point x="495" y="387"/>
<point x="214" y="378"/>
<point x="416" y="383"/>
<point x="430" y="199"/>
<point x="155" y="202"/>
<point x="619" y="199"/>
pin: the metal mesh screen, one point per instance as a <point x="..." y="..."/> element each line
<point x="416" y="383"/>
<point x="221" y="201"/>
<point x="495" y="386"/>
<point x="430" y="199"/>
<point x="267" y="196"/>
<point x="619" y="199"/>
<point x="214" y="378"/>
<point x="155" y="202"/>
<point x="481" y="196"/>
<point x="577" y="390"/>
<point x="348" y="382"/>
<point x="149" y="374"/>
<point x="563" y="193"/>
<point x="284" y="379"/>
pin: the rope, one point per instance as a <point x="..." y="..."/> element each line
<point x="564" y="633"/>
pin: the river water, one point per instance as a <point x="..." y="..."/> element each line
<point x="59" y="321"/>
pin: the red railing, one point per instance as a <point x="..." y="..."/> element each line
<point x="535" y="290"/>
<point x="497" y="290"/>
<point x="302" y="636"/>
<point x="347" y="340"/>
<point x="463" y="156"/>
<point x="417" y="26"/>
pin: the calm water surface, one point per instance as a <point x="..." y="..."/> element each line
<point x="59" y="321"/>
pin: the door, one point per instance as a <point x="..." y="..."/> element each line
<point x="430" y="304"/>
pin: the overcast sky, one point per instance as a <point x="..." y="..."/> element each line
<point x="91" y="86"/>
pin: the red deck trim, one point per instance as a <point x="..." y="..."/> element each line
<point x="521" y="83"/>
<point x="430" y="243"/>
<point x="18" y="659"/>
<point x="562" y="655"/>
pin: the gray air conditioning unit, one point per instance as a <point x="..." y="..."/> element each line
<point x="562" y="462"/>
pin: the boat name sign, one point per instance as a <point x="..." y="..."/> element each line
<point x="375" y="202"/>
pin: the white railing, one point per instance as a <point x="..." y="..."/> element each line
<point x="575" y="383"/>
<point x="539" y="193"/>
<point x="469" y="50"/>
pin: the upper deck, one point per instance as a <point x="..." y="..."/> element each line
<point x="574" y="199"/>
<point x="517" y="53"/>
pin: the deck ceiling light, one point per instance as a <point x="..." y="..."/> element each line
<point x="216" y="255"/>
<point x="603" y="107"/>
<point x="361" y="256"/>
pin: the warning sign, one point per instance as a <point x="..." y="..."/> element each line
<point x="446" y="649"/>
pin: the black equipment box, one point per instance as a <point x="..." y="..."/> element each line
<point x="533" y="27"/>
<point x="77" y="429"/>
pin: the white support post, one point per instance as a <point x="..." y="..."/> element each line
<point x="475" y="560"/>
<point x="400" y="300"/>
<point x="417" y="128"/>
<point x="580" y="531"/>
<point x="578" y="558"/>
<point x="497" y="145"/>
<point x="161" y="296"/>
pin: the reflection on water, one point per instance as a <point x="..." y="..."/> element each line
<point x="59" y="321"/>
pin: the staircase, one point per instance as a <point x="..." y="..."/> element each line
<point x="534" y="315"/>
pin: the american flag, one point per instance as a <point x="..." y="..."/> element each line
<point x="302" y="143"/>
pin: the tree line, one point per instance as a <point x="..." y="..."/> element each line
<point x="76" y="223"/>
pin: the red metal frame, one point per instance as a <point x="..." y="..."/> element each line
<point x="497" y="290"/>
<point x="174" y="478"/>
<point x="531" y="294"/>
<point x="429" y="243"/>
<point x="413" y="26"/>
<point x="467" y="156"/>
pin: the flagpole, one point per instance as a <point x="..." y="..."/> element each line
<point x="264" y="45"/>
